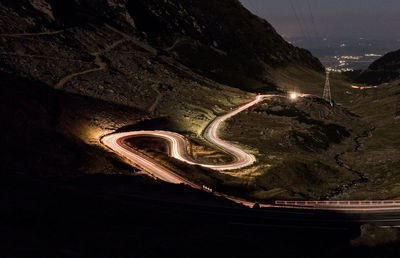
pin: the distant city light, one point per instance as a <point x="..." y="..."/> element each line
<point x="373" y="55"/>
<point x="293" y="95"/>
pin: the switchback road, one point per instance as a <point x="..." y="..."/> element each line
<point x="242" y="159"/>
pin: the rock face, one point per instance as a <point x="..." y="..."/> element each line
<point x="115" y="63"/>
<point x="221" y="39"/>
<point x="44" y="7"/>
<point x="385" y="69"/>
<point x="218" y="39"/>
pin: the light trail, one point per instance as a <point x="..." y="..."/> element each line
<point x="114" y="142"/>
<point x="362" y="205"/>
<point x="178" y="143"/>
<point x="178" y="151"/>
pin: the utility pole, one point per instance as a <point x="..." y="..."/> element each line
<point x="327" y="89"/>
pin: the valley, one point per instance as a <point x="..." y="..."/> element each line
<point x="179" y="115"/>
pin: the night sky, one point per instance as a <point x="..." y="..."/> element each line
<point x="373" y="19"/>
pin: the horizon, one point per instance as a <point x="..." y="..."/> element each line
<point x="370" y="19"/>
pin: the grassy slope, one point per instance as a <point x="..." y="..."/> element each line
<point x="294" y="148"/>
<point x="304" y="80"/>
<point x="379" y="155"/>
<point x="292" y="172"/>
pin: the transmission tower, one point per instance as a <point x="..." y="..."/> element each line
<point x="327" y="90"/>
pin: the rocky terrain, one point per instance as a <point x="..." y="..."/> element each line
<point x="136" y="59"/>
<point x="78" y="70"/>
<point x="73" y="71"/>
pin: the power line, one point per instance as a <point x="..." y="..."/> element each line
<point x="253" y="7"/>
<point x="297" y="18"/>
<point x="312" y="19"/>
<point x="303" y="20"/>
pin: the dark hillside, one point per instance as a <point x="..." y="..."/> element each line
<point x="220" y="39"/>
<point x="385" y="69"/>
<point x="73" y="71"/>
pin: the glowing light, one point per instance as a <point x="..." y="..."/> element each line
<point x="293" y="95"/>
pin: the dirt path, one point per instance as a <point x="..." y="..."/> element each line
<point x="158" y="98"/>
<point x="133" y="40"/>
<point x="16" y="35"/>
<point x="97" y="61"/>
<point x="44" y="57"/>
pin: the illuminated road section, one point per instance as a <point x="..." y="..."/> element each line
<point x="178" y="147"/>
<point x="114" y="141"/>
<point x="178" y="151"/>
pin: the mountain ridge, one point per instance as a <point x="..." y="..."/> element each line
<point x="382" y="70"/>
<point x="220" y="40"/>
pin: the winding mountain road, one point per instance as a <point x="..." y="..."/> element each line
<point x="178" y="151"/>
<point x="178" y="146"/>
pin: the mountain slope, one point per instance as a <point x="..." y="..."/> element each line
<point x="226" y="42"/>
<point x="385" y="69"/>
<point x="73" y="71"/>
<point x="120" y="65"/>
<point x="221" y="40"/>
